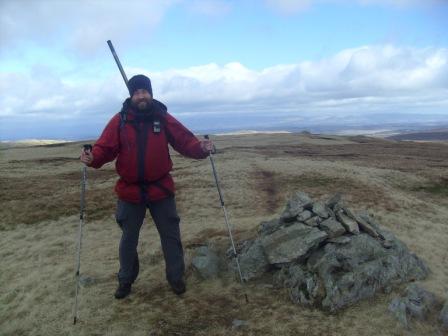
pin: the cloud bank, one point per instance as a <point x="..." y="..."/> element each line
<point x="289" y="7"/>
<point x="367" y="82"/>
<point x="82" y="26"/>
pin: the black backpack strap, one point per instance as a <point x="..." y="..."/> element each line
<point x="157" y="119"/>
<point x="124" y="113"/>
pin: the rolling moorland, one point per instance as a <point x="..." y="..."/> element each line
<point x="403" y="183"/>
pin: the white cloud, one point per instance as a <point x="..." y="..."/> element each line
<point x="87" y="23"/>
<point x="212" y="8"/>
<point x="400" y="3"/>
<point x="83" y="26"/>
<point x="289" y="7"/>
<point x="384" y="71"/>
<point x="351" y="84"/>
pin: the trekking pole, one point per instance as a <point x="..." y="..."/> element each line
<point x="87" y="148"/>
<point x="235" y="254"/>
<point x="117" y="60"/>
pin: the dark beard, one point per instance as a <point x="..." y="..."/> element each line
<point x="140" y="107"/>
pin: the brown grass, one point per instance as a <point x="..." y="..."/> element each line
<point x="401" y="156"/>
<point x="52" y="196"/>
<point x="403" y="184"/>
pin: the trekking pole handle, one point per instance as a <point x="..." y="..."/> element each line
<point x="117" y="60"/>
<point x="215" y="174"/>
<point x="87" y="148"/>
<point x="213" y="151"/>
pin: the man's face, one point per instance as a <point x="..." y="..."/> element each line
<point x="141" y="99"/>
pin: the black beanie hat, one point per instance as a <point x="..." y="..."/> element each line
<point x="139" y="82"/>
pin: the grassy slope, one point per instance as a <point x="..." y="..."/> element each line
<point x="403" y="184"/>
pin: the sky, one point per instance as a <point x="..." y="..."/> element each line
<point x="223" y="65"/>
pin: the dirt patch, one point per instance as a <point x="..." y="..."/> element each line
<point x="273" y="186"/>
<point x="269" y="184"/>
<point x="438" y="188"/>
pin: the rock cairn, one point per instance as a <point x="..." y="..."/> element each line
<point x="326" y="255"/>
<point x="416" y="304"/>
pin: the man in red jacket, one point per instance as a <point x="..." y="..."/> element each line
<point x="138" y="137"/>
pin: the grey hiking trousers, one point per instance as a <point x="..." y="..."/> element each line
<point x="130" y="217"/>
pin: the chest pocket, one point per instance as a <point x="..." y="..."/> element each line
<point x="131" y="130"/>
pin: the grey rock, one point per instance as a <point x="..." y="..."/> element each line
<point x="306" y="287"/>
<point x="387" y="244"/>
<point x="369" y="219"/>
<point x="280" y="278"/>
<point x="387" y="238"/>
<point x="416" y="304"/>
<point x="86" y="281"/>
<point x="350" y="259"/>
<point x="253" y="261"/>
<point x="350" y="224"/>
<point x="297" y="204"/>
<point x="339" y="240"/>
<point x="313" y="221"/>
<point x="387" y="289"/>
<point x="236" y="324"/>
<point x="206" y="262"/>
<point x="291" y="243"/>
<point x="366" y="217"/>
<point x="203" y="250"/>
<point x="267" y="227"/>
<point x="419" y="301"/>
<point x="305" y="215"/>
<point x="331" y="213"/>
<point x="335" y="199"/>
<point x="363" y="225"/>
<point x="290" y="214"/>
<point x="332" y="227"/>
<point x="443" y="316"/>
<point x="302" y="198"/>
<point x="398" y="309"/>
<point x="357" y="270"/>
<point x="320" y="210"/>
<point x="300" y="283"/>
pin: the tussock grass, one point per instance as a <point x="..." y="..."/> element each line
<point x="40" y="205"/>
<point x="52" y="196"/>
<point x="437" y="188"/>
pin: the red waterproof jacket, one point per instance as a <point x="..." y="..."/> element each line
<point x="139" y="142"/>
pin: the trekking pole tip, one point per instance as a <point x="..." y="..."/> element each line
<point x="247" y="299"/>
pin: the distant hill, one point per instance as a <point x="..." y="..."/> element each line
<point x="435" y="135"/>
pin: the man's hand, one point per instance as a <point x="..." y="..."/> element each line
<point x="207" y="146"/>
<point x="86" y="157"/>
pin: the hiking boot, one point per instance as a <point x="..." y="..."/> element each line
<point x="123" y="290"/>
<point x="178" y="287"/>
